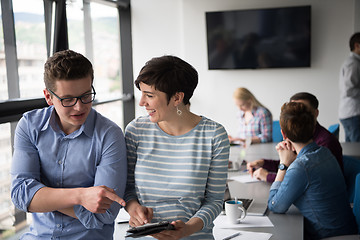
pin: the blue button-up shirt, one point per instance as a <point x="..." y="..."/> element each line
<point x="44" y="155"/>
<point x="315" y="184"/>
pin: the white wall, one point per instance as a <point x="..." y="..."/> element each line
<point x="178" y="27"/>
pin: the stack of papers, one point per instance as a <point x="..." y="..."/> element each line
<point x="221" y="234"/>
<point x="244" y="178"/>
<point x="223" y="228"/>
<point x="123" y="216"/>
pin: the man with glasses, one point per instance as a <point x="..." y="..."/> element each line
<point x="69" y="165"/>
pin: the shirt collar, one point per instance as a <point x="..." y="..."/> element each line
<point x="311" y="146"/>
<point x="317" y="129"/>
<point x="87" y="127"/>
<point x="51" y="121"/>
<point x="253" y="111"/>
<point x="355" y="55"/>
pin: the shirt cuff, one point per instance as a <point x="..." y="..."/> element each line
<point x="275" y="185"/>
<point x="271" y="177"/>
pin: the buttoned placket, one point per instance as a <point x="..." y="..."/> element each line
<point x="58" y="177"/>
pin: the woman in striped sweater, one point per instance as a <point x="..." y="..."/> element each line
<point x="177" y="160"/>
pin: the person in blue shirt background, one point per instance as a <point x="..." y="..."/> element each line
<point x="69" y="165"/>
<point x="310" y="178"/>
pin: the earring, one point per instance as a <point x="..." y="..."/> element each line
<point x="178" y="111"/>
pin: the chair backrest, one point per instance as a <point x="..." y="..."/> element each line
<point x="351" y="169"/>
<point x="276" y="132"/>
<point x="356" y="208"/>
<point x="335" y="129"/>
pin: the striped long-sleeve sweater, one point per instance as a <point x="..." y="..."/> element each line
<point x="180" y="177"/>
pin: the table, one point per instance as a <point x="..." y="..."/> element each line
<point x="253" y="152"/>
<point x="267" y="150"/>
<point x="351" y="149"/>
<point x="285" y="225"/>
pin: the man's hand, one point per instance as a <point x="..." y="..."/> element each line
<point x="252" y="166"/>
<point x="261" y="174"/>
<point x="98" y="199"/>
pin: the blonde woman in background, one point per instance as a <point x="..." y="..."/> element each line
<point x="254" y="120"/>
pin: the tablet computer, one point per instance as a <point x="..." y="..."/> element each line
<point x="148" y="229"/>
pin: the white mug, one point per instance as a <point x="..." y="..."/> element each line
<point x="235" y="211"/>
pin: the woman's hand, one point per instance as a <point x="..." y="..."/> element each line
<point x="139" y="215"/>
<point x="181" y="230"/>
<point x="236" y="140"/>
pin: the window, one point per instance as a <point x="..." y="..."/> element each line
<point x="75" y="24"/>
<point x="94" y="31"/>
<point x="105" y="34"/>
<point x="30" y="46"/>
<point x="3" y="80"/>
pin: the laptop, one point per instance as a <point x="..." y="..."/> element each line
<point x="249" y="204"/>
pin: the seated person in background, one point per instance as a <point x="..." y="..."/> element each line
<point x="177" y="160"/>
<point x="255" y="120"/>
<point x="265" y="169"/>
<point x="310" y="178"/>
<point x="69" y="166"/>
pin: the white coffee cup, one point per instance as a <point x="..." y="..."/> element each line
<point x="235" y="211"/>
<point x="248" y="141"/>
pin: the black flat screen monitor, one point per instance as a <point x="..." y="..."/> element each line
<point x="259" y="38"/>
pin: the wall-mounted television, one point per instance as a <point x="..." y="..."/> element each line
<point x="259" y="38"/>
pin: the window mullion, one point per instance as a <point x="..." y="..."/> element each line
<point x="10" y="49"/>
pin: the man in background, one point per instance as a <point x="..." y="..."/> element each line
<point x="349" y="85"/>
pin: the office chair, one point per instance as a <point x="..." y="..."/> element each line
<point x="276" y="132"/>
<point x="335" y="129"/>
<point x="356" y="207"/>
<point x="356" y="211"/>
<point x="351" y="169"/>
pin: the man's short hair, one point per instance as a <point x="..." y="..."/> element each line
<point x="355" y="38"/>
<point x="66" y="65"/>
<point x="314" y="103"/>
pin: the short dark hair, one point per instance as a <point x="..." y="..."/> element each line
<point x="169" y="74"/>
<point x="355" y="38"/>
<point x="307" y="97"/>
<point x="66" y="65"/>
<point x="297" y="122"/>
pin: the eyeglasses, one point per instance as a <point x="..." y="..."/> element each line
<point x="71" y="101"/>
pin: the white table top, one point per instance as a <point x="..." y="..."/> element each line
<point x="351" y="148"/>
